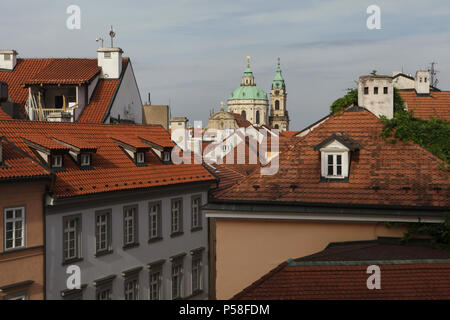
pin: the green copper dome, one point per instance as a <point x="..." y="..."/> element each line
<point x="278" y="81"/>
<point x="248" y="92"/>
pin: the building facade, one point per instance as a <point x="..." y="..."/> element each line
<point x="23" y="184"/>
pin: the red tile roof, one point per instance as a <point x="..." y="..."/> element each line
<point x="66" y="71"/>
<point x="241" y="121"/>
<point x="406" y="273"/>
<point x="380" y="173"/>
<point x="3" y="115"/>
<point x="100" y="102"/>
<point x="18" y="165"/>
<point x="113" y="170"/>
<point x="61" y="71"/>
<point x="289" y="134"/>
<point x="25" y="69"/>
<point x="435" y="105"/>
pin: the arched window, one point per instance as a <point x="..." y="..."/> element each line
<point x="244" y="114"/>
<point x="257" y="117"/>
<point x="276" y="126"/>
<point x="277" y="104"/>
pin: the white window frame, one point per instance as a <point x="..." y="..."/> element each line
<point x="177" y="271"/>
<point x="196" y="221"/>
<point x="154" y="216"/>
<point x="130" y="221"/>
<point x="335" y="148"/>
<point x="104" y="293"/>
<point x="76" y="231"/>
<point x="85" y="159"/>
<point x="57" y="161"/>
<point x="155" y="284"/>
<point x="103" y="237"/>
<point x="140" y="157"/>
<point x="14" y="220"/>
<point x="197" y="270"/>
<point x="176" y="221"/>
<point x="131" y="288"/>
<point x="166" y="156"/>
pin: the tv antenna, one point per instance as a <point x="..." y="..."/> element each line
<point x="112" y="34"/>
<point x="433" y="79"/>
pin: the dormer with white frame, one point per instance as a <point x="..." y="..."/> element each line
<point x="335" y="156"/>
<point x="50" y="152"/>
<point x="81" y="153"/>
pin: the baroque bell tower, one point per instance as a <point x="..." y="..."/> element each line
<point x="279" y="117"/>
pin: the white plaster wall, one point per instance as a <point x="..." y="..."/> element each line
<point x="128" y="103"/>
<point x="379" y="104"/>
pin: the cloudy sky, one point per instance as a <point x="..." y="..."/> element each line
<point x="193" y="52"/>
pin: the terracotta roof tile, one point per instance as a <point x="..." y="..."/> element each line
<point x="241" y="121"/>
<point x="66" y="71"/>
<point x="113" y="170"/>
<point x="406" y="273"/>
<point x="380" y="173"/>
<point x="17" y="164"/>
<point x="100" y="101"/>
<point x="424" y="107"/>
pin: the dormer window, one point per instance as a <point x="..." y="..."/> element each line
<point x="140" y="157"/>
<point x="334" y="165"/>
<point x="57" y="161"/>
<point x="166" y="156"/>
<point x="336" y="153"/>
<point x="85" y="160"/>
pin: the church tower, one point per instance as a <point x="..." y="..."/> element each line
<point x="279" y="117"/>
<point x="249" y="100"/>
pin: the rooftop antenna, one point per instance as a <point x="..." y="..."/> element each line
<point x="433" y="80"/>
<point x="100" y="39"/>
<point x="112" y="34"/>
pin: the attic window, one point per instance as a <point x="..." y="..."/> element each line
<point x="385" y="90"/>
<point x="7" y="57"/>
<point x="57" y="161"/>
<point x="140" y="157"/>
<point x="335" y="154"/>
<point x="366" y="90"/>
<point x="166" y="156"/>
<point x="85" y="159"/>
<point x="107" y="55"/>
<point x="375" y="90"/>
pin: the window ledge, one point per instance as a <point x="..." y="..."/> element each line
<point x="103" y="253"/>
<point x="177" y="234"/>
<point x="130" y="246"/>
<point x="71" y="261"/>
<point x="333" y="179"/>
<point x="153" y="240"/>
<point x="196" y="229"/>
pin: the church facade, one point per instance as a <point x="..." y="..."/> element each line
<point x="252" y="103"/>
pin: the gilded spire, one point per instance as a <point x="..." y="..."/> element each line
<point x="248" y="61"/>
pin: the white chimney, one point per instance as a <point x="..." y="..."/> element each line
<point x="110" y="60"/>
<point x="8" y="59"/>
<point x="376" y="94"/>
<point x="422" y="84"/>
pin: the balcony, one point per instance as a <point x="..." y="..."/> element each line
<point x="36" y="111"/>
